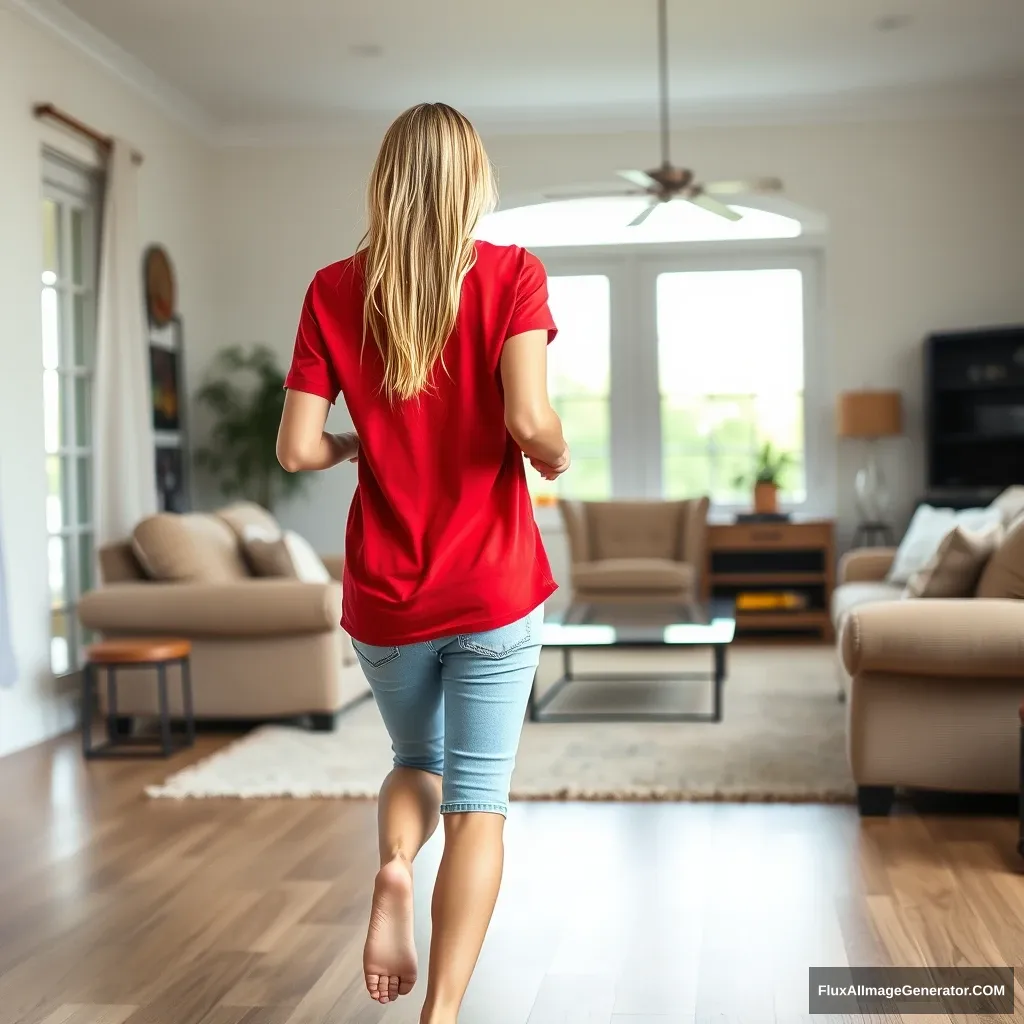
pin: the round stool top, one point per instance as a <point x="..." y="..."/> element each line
<point x="136" y="650"/>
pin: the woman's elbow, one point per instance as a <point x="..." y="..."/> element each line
<point x="290" y="457"/>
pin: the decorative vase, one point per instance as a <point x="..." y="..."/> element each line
<point x="766" y="498"/>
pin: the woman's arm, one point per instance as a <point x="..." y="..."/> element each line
<point x="302" y="442"/>
<point x="531" y="421"/>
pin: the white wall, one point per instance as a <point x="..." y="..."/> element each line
<point x="174" y="210"/>
<point x="926" y="231"/>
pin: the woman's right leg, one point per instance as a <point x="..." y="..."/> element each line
<point x="406" y="683"/>
<point x="487" y="679"/>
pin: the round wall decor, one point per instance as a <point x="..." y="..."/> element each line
<point x="161" y="294"/>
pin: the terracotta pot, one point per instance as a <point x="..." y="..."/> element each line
<point x="766" y="498"/>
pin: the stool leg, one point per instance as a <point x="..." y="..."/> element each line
<point x="111" y="705"/>
<point x="88" y="702"/>
<point x="165" y="714"/>
<point x="186" y="697"/>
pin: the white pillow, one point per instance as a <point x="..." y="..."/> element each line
<point x="927" y="530"/>
<point x="308" y="565"/>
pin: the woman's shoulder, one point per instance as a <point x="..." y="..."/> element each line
<point x="339" y="276"/>
<point x="511" y="259"/>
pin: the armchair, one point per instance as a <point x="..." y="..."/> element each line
<point x="622" y="551"/>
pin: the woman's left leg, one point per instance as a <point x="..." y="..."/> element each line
<point x="406" y="683"/>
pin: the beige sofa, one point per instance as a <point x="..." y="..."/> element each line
<point x="635" y="550"/>
<point x="262" y="648"/>
<point x="933" y="686"/>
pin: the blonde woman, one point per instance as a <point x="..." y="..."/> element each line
<point x="438" y="345"/>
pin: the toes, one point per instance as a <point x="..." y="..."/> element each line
<point x="382" y="988"/>
<point x="405" y="986"/>
<point x="371" y="985"/>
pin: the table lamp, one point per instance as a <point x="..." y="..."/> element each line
<point x="868" y="416"/>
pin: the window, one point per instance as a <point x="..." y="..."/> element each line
<point x="685" y="344"/>
<point x="730" y="373"/>
<point x="70" y="217"/>
<point x="579" y="381"/>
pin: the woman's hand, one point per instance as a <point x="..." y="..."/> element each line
<point x="551" y="471"/>
<point x="347" y="446"/>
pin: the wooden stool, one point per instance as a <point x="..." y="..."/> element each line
<point x="133" y="652"/>
<point x="1020" y="834"/>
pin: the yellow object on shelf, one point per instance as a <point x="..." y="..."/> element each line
<point x="770" y="602"/>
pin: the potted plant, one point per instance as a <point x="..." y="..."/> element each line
<point x="245" y="396"/>
<point x="767" y="474"/>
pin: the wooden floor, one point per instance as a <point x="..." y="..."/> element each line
<point x="117" y="909"/>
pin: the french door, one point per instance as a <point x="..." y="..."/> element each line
<point x="670" y="372"/>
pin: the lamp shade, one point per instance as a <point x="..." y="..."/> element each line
<point x="869" y="414"/>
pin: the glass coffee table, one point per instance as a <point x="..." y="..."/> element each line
<point x="662" y="627"/>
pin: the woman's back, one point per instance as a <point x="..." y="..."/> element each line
<point x="441" y="538"/>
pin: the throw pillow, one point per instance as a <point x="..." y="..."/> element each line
<point x="193" y="548"/>
<point x="955" y="568"/>
<point x="926" y="531"/>
<point x="288" y="555"/>
<point x="1003" y="576"/>
<point x="1010" y="503"/>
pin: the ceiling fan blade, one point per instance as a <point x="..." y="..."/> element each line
<point x="712" y="205"/>
<point x="734" y="188"/>
<point x="643" y="215"/>
<point x="597" y="194"/>
<point x="641" y="178"/>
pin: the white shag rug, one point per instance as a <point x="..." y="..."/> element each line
<point x="782" y="738"/>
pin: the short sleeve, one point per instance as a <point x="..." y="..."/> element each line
<point x="311" y="370"/>
<point x="531" y="312"/>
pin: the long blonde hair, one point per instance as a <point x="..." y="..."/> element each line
<point x="430" y="185"/>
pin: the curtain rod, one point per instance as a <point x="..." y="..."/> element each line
<point x="49" y="112"/>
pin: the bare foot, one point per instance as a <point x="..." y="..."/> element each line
<point x="389" y="956"/>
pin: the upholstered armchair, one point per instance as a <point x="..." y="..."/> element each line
<point x="636" y="550"/>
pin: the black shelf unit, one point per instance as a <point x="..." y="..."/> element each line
<point x="974" y="412"/>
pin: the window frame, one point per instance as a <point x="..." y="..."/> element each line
<point x="73" y="187"/>
<point x="635" y="394"/>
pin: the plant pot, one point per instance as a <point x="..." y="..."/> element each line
<point x="766" y="498"/>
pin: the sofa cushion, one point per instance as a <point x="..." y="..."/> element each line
<point x="1003" y="575"/>
<point x="193" y="548"/>
<point x="850" y="595"/>
<point x="955" y="568"/>
<point x="1010" y="504"/>
<point x="634" y="529"/>
<point x="635" y="574"/>
<point x="286" y="556"/>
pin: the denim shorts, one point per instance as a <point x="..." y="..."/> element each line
<point x="455" y="707"/>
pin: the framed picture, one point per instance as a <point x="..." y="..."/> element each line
<point x="165" y="378"/>
<point x="171" y="486"/>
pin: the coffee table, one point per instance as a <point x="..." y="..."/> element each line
<point x="635" y="627"/>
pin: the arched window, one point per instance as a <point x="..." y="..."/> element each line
<point x="605" y="221"/>
<point x="683" y="344"/>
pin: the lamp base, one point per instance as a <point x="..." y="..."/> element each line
<point x="873" y="535"/>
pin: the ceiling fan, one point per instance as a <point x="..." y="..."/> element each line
<point x="669" y="182"/>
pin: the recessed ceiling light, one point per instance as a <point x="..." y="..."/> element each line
<point x="893" y="22"/>
<point x="366" y="50"/>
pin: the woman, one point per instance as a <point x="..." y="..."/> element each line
<point x="438" y="346"/>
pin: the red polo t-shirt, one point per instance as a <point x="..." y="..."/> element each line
<point x="441" y="538"/>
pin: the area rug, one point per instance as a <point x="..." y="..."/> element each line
<point x="782" y="738"/>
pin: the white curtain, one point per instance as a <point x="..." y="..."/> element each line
<point x="8" y="666"/>
<point x="125" y="481"/>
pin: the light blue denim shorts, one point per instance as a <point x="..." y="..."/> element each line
<point x="455" y="707"/>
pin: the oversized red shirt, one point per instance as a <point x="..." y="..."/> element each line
<point x="441" y="538"/>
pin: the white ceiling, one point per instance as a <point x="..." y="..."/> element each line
<point x="256" y="65"/>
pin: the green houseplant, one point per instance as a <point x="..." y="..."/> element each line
<point x="766" y="476"/>
<point x="244" y="395"/>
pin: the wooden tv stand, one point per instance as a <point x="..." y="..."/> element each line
<point x="796" y="558"/>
